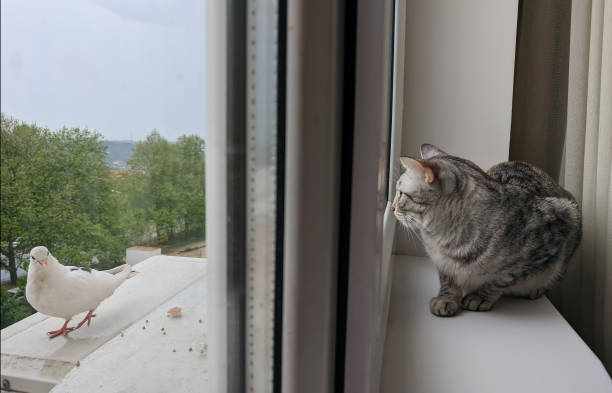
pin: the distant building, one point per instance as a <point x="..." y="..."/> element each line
<point x="5" y="276"/>
<point x="121" y="173"/>
<point x="118" y="165"/>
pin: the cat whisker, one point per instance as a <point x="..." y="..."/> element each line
<point x="411" y="227"/>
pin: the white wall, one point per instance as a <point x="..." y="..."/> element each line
<point x="458" y="80"/>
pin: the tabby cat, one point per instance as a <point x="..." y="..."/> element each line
<point x="509" y="231"/>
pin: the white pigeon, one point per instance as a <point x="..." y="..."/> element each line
<point x="65" y="291"/>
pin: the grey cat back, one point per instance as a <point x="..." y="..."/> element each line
<point x="508" y="231"/>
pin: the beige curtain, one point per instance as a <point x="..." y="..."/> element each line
<point x="585" y="297"/>
<point x="562" y="122"/>
<point x="539" y="102"/>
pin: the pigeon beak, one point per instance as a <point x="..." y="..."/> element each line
<point x="44" y="263"/>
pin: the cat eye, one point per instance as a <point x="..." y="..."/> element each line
<point x="417" y="201"/>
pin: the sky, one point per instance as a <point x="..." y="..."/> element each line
<point x="120" y="67"/>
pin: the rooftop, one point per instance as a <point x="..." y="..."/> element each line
<point x="144" y="248"/>
<point x="113" y="352"/>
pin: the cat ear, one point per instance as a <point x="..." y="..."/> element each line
<point x="428" y="151"/>
<point x="421" y="167"/>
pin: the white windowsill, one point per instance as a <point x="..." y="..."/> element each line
<point x="140" y="360"/>
<point x="519" y="346"/>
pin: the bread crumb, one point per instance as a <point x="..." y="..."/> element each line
<point x="174" y="312"/>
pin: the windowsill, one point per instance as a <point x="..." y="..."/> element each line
<point x="112" y="362"/>
<point x="519" y="346"/>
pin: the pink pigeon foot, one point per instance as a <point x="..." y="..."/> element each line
<point x="87" y="319"/>
<point x="63" y="331"/>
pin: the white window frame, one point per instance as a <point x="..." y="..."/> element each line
<point x="314" y="113"/>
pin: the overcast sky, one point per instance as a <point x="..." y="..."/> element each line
<point x="119" y="67"/>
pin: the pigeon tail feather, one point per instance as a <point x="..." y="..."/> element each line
<point x="120" y="269"/>
<point x="124" y="274"/>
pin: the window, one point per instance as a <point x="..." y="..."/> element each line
<point x="103" y="162"/>
<point x="285" y="107"/>
<point x="103" y="129"/>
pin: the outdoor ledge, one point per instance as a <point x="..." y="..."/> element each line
<point x="520" y="346"/>
<point x="137" y="361"/>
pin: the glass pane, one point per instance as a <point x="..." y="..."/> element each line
<point x="103" y="153"/>
<point x="114" y="94"/>
<point x="262" y="139"/>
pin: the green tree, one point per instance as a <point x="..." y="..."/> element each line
<point x="13" y="308"/>
<point x="191" y="183"/>
<point x="56" y="192"/>
<point x="156" y="199"/>
<point x="20" y="145"/>
<point x="77" y="213"/>
<point x="166" y="186"/>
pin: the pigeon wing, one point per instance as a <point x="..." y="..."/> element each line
<point x="80" y="289"/>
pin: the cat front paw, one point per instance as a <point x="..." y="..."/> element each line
<point x="536" y="293"/>
<point x="475" y="302"/>
<point x="443" y="306"/>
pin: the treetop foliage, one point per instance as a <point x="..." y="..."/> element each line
<point x="58" y="191"/>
